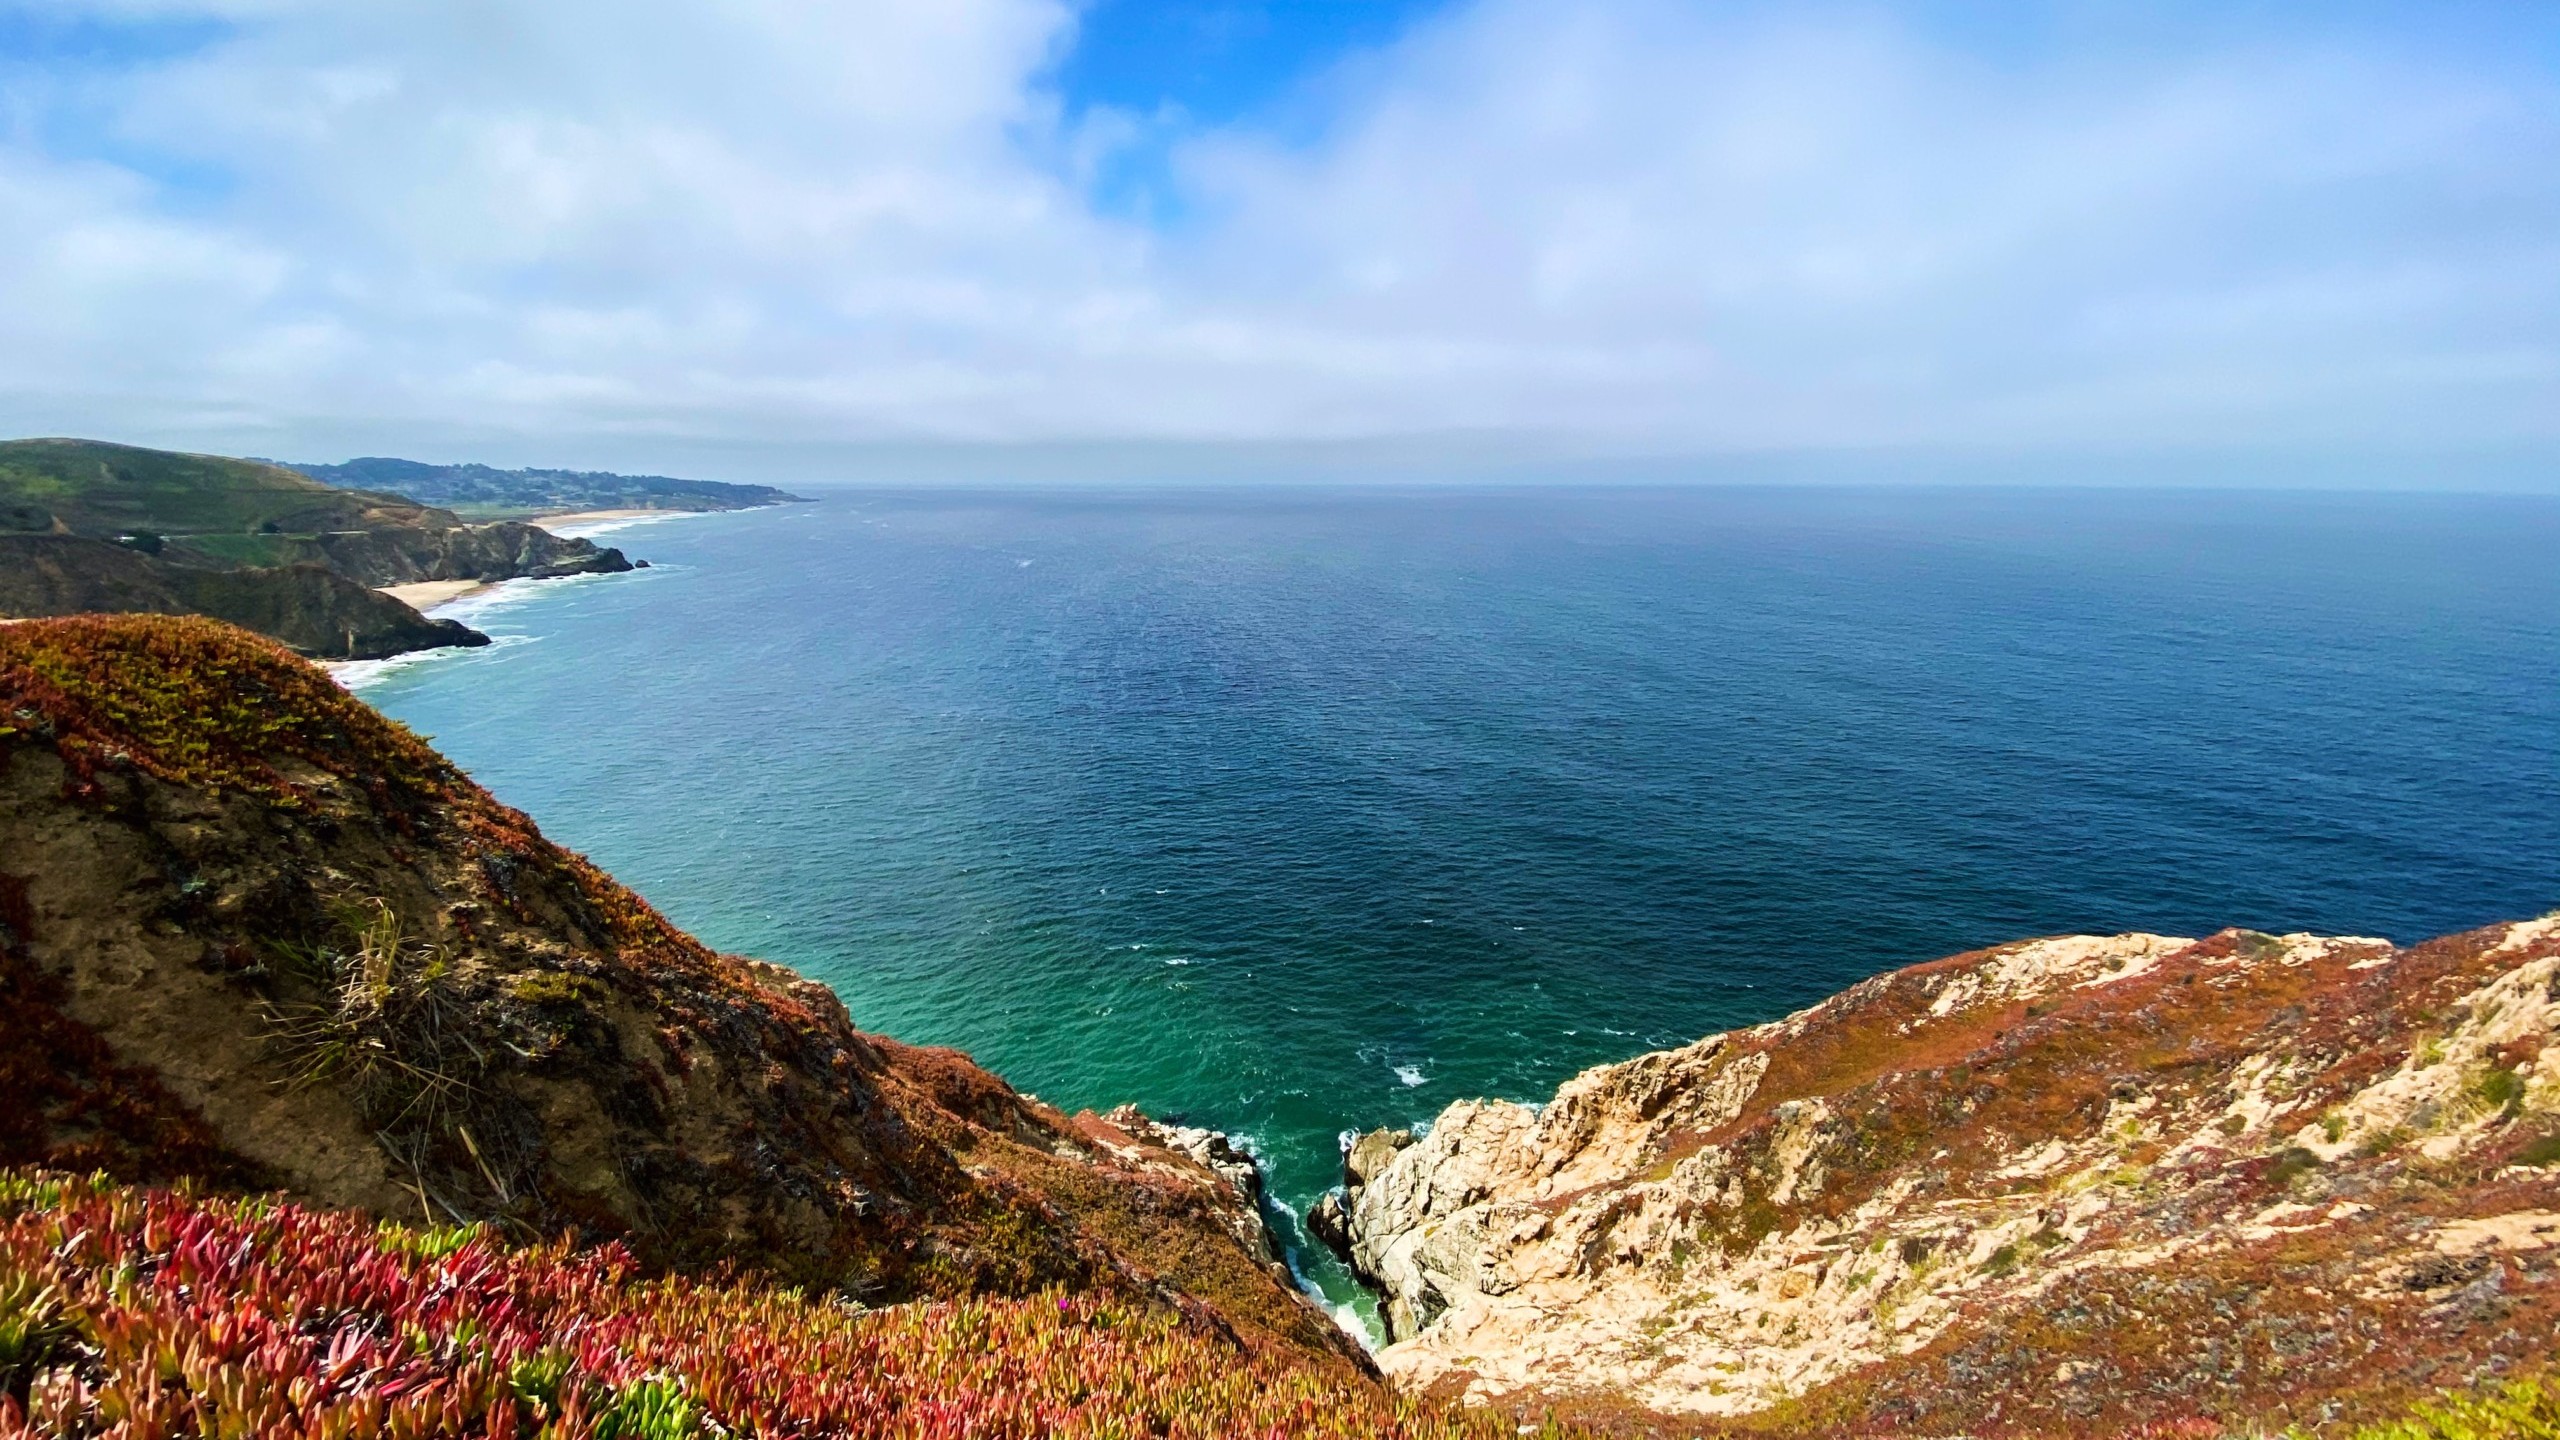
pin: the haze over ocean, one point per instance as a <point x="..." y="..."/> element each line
<point x="1284" y="811"/>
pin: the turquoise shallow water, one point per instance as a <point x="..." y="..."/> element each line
<point x="1289" y="811"/>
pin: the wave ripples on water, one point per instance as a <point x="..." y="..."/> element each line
<point x="1284" y="811"/>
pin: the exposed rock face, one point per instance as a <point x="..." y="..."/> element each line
<point x="507" y="550"/>
<point x="2066" y="1186"/>
<point x="253" y="932"/>
<point x="1214" y="1151"/>
<point x="1369" y="1155"/>
<point x="315" y="611"/>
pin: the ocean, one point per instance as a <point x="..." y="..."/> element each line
<point x="1292" y="811"/>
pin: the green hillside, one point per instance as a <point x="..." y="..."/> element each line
<point x="94" y="488"/>
<point x="90" y="527"/>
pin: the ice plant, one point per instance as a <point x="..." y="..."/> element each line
<point x="143" y="1314"/>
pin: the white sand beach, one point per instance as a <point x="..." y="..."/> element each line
<point x="425" y="595"/>
<point x="589" y="517"/>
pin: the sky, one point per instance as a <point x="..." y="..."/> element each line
<point x="2278" y="243"/>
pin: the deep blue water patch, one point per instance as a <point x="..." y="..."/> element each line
<point x="1289" y="811"/>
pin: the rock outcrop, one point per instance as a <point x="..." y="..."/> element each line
<point x="254" y="934"/>
<point x="2069" y="1186"/>
<point x="1215" y="1152"/>
<point x="403" y="555"/>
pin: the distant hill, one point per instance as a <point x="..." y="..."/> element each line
<point x="484" y="488"/>
<point x="88" y="526"/>
<point x="90" y="487"/>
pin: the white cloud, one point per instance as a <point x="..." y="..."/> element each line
<point x="1619" y="223"/>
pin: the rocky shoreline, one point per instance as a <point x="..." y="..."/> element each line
<point x="2079" y="1184"/>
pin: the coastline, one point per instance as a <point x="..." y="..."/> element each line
<point x="589" y="524"/>
<point x="587" y="517"/>
<point x="429" y="597"/>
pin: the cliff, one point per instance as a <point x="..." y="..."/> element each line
<point x="314" y="610"/>
<point x="403" y="555"/>
<point x="255" y="935"/>
<point x="215" y="510"/>
<point x="2075" y="1186"/>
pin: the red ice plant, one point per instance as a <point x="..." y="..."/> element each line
<point x="142" y="1314"/>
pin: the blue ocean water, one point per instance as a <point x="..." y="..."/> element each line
<point x="1288" y="811"/>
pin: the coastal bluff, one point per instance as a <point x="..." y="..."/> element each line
<point x="309" y="1038"/>
<point x="2084" y="1185"/>
<point x="90" y="527"/>
<point x="255" y="937"/>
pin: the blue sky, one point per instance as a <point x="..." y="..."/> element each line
<point x="1217" y="62"/>
<point x="1181" y="68"/>
<point x="790" y="237"/>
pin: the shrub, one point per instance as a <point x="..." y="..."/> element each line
<point x="2501" y="1089"/>
<point x="387" y="1029"/>
<point x="2521" y="1410"/>
<point x="2294" y="1163"/>
<point x="556" y="987"/>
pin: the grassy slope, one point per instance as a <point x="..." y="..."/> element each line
<point x="99" y="489"/>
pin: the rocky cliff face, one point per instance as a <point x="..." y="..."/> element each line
<point x="315" y="611"/>
<point x="2072" y="1186"/>
<point x="253" y="933"/>
<point x="507" y="550"/>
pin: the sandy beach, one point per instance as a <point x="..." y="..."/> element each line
<point x="425" y="595"/>
<point x="586" y="517"/>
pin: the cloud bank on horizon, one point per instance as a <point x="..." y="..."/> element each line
<point x="580" y="230"/>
